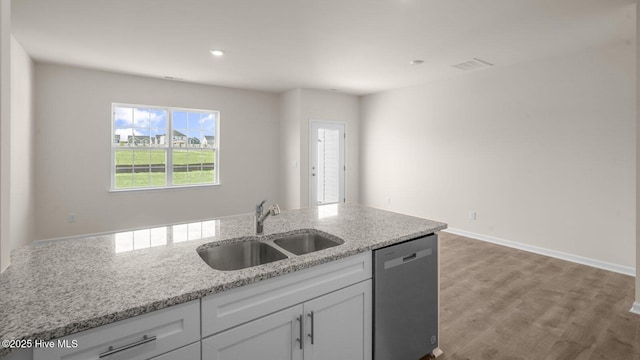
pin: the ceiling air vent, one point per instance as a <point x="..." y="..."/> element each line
<point x="473" y="64"/>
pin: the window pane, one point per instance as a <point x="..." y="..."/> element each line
<point x="142" y="158"/>
<point x="158" y="137"/>
<point x="180" y="168"/>
<point x="158" y="119"/>
<point x="208" y="176"/>
<point x="180" y="175"/>
<point x="158" y="176"/>
<point x="123" y="160"/>
<point x="123" y="180"/>
<point x="123" y="117"/>
<point x="123" y="157"/>
<point x="180" y="157"/>
<point x="328" y="166"/>
<point x="208" y="157"/>
<point x="158" y="157"/>
<point x="194" y="121"/>
<point x="179" y="120"/>
<point x="121" y="136"/>
<point x="142" y="118"/>
<point x="194" y="175"/>
<point x="208" y="122"/>
<point x="141" y="179"/>
<point x="179" y="138"/>
<point x="208" y="139"/>
<point x="194" y="138"/>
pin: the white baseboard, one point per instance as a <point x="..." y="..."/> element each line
<point x="626" y="270"/>
<point x="635" y="308"/>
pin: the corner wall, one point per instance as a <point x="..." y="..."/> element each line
<point x="636" y="306"/>
<point x="331" y="106"/>
<point x="290" y="149"/>
<point x="299" y="107"/>
<point x="22" y="177"/>
<point x="543" y="152"/>
<point x="73" y="152"/>
<point x="5" y="128"/>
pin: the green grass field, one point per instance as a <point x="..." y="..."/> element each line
<point x="194" y="157"/>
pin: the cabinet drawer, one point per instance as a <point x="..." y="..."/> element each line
<point x="165" y="330"/>
<point x="234" y="307"/>
<point x="189" y="352"/>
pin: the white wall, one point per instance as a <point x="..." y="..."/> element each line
<point x="5" y="122"/>
<point x="331" y="106"/>
<point x="22" y="212"/>
<point x="72" y="151"/>
<point x="299" y="107"/>
<point x="543" y="151"/>
<point x="637" y="218"/>
<point x="290" y="149"/>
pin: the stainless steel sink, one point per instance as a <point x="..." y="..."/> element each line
<point x="307" y="242"/>
<point x="240" y="255"/>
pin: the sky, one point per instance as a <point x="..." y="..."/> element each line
<point x="129" y="121"/>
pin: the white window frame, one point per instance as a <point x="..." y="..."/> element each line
<point x="168" y="149"/>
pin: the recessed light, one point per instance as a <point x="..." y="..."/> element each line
<point x="216" y="52"/>
<point x="416" y="62"/>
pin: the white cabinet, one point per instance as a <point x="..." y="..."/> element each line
<point x="333" y="326"/>
<point x="338" y="325"/>
<point x="276" y="336"/>
<point x="140" y="337"/>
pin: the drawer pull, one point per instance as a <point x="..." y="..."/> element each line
<point x="145" y="339"/>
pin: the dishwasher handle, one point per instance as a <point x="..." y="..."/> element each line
<point x="401" y="260"/>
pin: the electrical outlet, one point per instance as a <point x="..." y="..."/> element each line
<point x="71" y="218"/>
<point x="388" y="200"/>
<point x="472" y="215"/>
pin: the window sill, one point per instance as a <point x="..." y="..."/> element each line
<point x="164" y="188"/>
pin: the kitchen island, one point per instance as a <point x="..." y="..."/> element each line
<point x="58" y="288"/>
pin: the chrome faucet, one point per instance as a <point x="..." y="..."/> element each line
<point x="261" y="215"/>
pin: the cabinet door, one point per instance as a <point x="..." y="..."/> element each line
<point x="272" y="337"/>
<point x="338" y="325"/>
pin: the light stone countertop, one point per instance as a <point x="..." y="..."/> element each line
<point x="56" y="288"/>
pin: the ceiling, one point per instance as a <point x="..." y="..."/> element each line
<point x="354" y="46"/>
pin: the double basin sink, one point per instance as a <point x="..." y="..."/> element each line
<point x="259" y="250"/>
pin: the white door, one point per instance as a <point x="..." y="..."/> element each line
<point x="276" y="336"/>
<point x="326" y="151"/>
<point x="340" y="324"/>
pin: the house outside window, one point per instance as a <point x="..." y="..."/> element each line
<point x="142" y="158"/>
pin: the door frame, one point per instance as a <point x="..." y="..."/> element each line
<point x="343" y="152"/>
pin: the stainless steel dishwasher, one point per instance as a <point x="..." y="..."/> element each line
<point x="405" y="316"/>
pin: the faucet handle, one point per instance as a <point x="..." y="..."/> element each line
<point x="259" y="207"/>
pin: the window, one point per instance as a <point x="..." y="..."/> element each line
<point x="155" y="147"/>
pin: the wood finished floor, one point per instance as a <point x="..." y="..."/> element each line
<point x="502" y="303"/>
